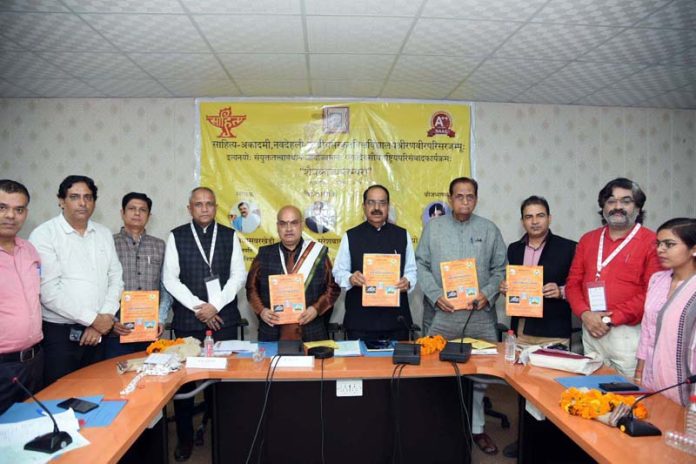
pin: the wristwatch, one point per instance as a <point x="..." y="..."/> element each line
<point x="607" y="320"/>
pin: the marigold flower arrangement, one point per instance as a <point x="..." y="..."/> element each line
<point x="431" y="344"/>
<point x="162" y="344"/>
<point x="592" y="403"/>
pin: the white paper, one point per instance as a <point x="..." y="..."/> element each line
<point x="29" y="429"/>
<point x="597" y="300"/>
<point x="162" y="359"/>
<point x="234" y="346"/>
<point x="294" y="361"/>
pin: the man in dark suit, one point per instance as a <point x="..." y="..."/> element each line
<point x="540" y="247"/>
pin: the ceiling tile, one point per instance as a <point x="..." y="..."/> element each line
<point x="486" y="92"/>
<point x="148" y="33"/>
<point x="61" y="88"/>
<point x="362" y="7"/>
<point x="364" y="67"/>
<point x="659" y="78"/>
<point x="680" y="14"/>
<point x="684" y="98"/>
<point x="688" y="56"/>
<point x="28" y="65"/>
<point x="273" y="88"/>
<point x="51" y="31"/>
<point x="130" y="87"/>
<point x="9" y="90"/>
<point x="430" y="90"/>
<point x="433" y="68"/>
<point x="33" y="5"/>
<point x="124" y="6"/>
<point x="643" y="46"/>
<point x="499" y="10"/>
<point x="95" y="65"/>
<point x="265" y="66"/>
<point x="252" y="33"/>
<point x="598" y="12"/>
<point x="613" y="97"/>
<point x="356" y="35"/>
<point x="591" y="75"/>
<point x="542" y="93"/>
<point x="554" y="42"/>
<point x="270" y="7"/>
<point x="513" y="72"/>
<point x="180" y="65"/>
<point x="200" y="88"/>
<point x="457" y="37"/>
<point x="346" y="88"/>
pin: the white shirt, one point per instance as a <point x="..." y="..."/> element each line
<point x="81" y="276"/>
<point x="342" y="266"/>
<point x="171" y="272"/>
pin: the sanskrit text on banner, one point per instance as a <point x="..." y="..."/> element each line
<point x="320" y="156"/>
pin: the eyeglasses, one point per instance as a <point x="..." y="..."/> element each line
<point x="287" y="224"/>
<point x="625" y="201"/>
<point x="379" y="203"/>
<point x="470" y="197"/>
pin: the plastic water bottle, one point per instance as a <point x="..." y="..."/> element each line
<point x="208" y="344"/>
<point x="510" y="346"/>
<point x="681" y="442"/>
<point x="690" y="420"/>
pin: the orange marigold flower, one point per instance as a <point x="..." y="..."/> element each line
<point x="431" y="344"/>
<point x="162" y="344"/>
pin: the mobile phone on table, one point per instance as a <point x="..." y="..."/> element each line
<point x="78" y="405"/>
<point x="618" y="386"/>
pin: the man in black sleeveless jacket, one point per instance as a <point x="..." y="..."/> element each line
<point x="203" y="270"/>
<point x="376" y="235"/>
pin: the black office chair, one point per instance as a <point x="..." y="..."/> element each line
<point x="487" y="403"/>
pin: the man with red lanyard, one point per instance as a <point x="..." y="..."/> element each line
<point x="609" y="276"/>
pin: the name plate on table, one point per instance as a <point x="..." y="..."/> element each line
<point x="199" y="362"/>
<point x="294" y="361"/>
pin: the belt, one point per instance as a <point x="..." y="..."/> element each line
<point x="21" y="356"/>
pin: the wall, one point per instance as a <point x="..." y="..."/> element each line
<point x="565" y="153"/>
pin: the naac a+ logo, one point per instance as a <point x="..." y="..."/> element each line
<point x="441" y="124"/>
<point x="226" y="121"/>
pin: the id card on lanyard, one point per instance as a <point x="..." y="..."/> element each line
<point x="596" y="291"/>
<point x="212" y="281"/>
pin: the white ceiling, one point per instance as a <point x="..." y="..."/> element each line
<point x="585" y="52"/>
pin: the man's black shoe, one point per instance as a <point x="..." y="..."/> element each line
<point x="183" y="451"/>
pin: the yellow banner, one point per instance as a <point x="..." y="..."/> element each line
<point x="320" y="156"/>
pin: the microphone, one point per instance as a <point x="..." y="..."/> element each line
<point x="639" y="428"/>
<point x="459" y="352"/>
<point x="406" y="353"/>
<point x="49" y="442"/>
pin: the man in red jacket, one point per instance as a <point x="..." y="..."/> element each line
<point x="609" y="276"/>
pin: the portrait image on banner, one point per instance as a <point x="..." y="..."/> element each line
<point x="321" y="155"/>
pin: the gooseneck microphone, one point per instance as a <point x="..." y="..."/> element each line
<point x="459" y="352"/>
<point x="406" y="353"/>
<point x="49" y="442"/>
<point x="639" y="428"/>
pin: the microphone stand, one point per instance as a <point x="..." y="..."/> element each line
<point x="50" y="442"/>
<point x="459" y="352"/>
<point x="407" y="353"/>
<point x="639" y="428"/>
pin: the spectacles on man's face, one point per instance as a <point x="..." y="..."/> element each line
<point x="373" y="203"/>
<point x="469" y="197"/>
<point x="288" y="224"/>
<point x="625" y="201"/>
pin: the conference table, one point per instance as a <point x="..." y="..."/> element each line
<point x="533" y="384"/>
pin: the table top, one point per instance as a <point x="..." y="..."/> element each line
<point x="536" y="384"/>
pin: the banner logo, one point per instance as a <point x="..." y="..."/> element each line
<point x="226" y="121"/>
<point x="440" y="124"/>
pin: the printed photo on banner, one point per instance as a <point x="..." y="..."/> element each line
<point x="433" y="210"/>
<point x="244" y="217"/>
<point x="320" y="217"/>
